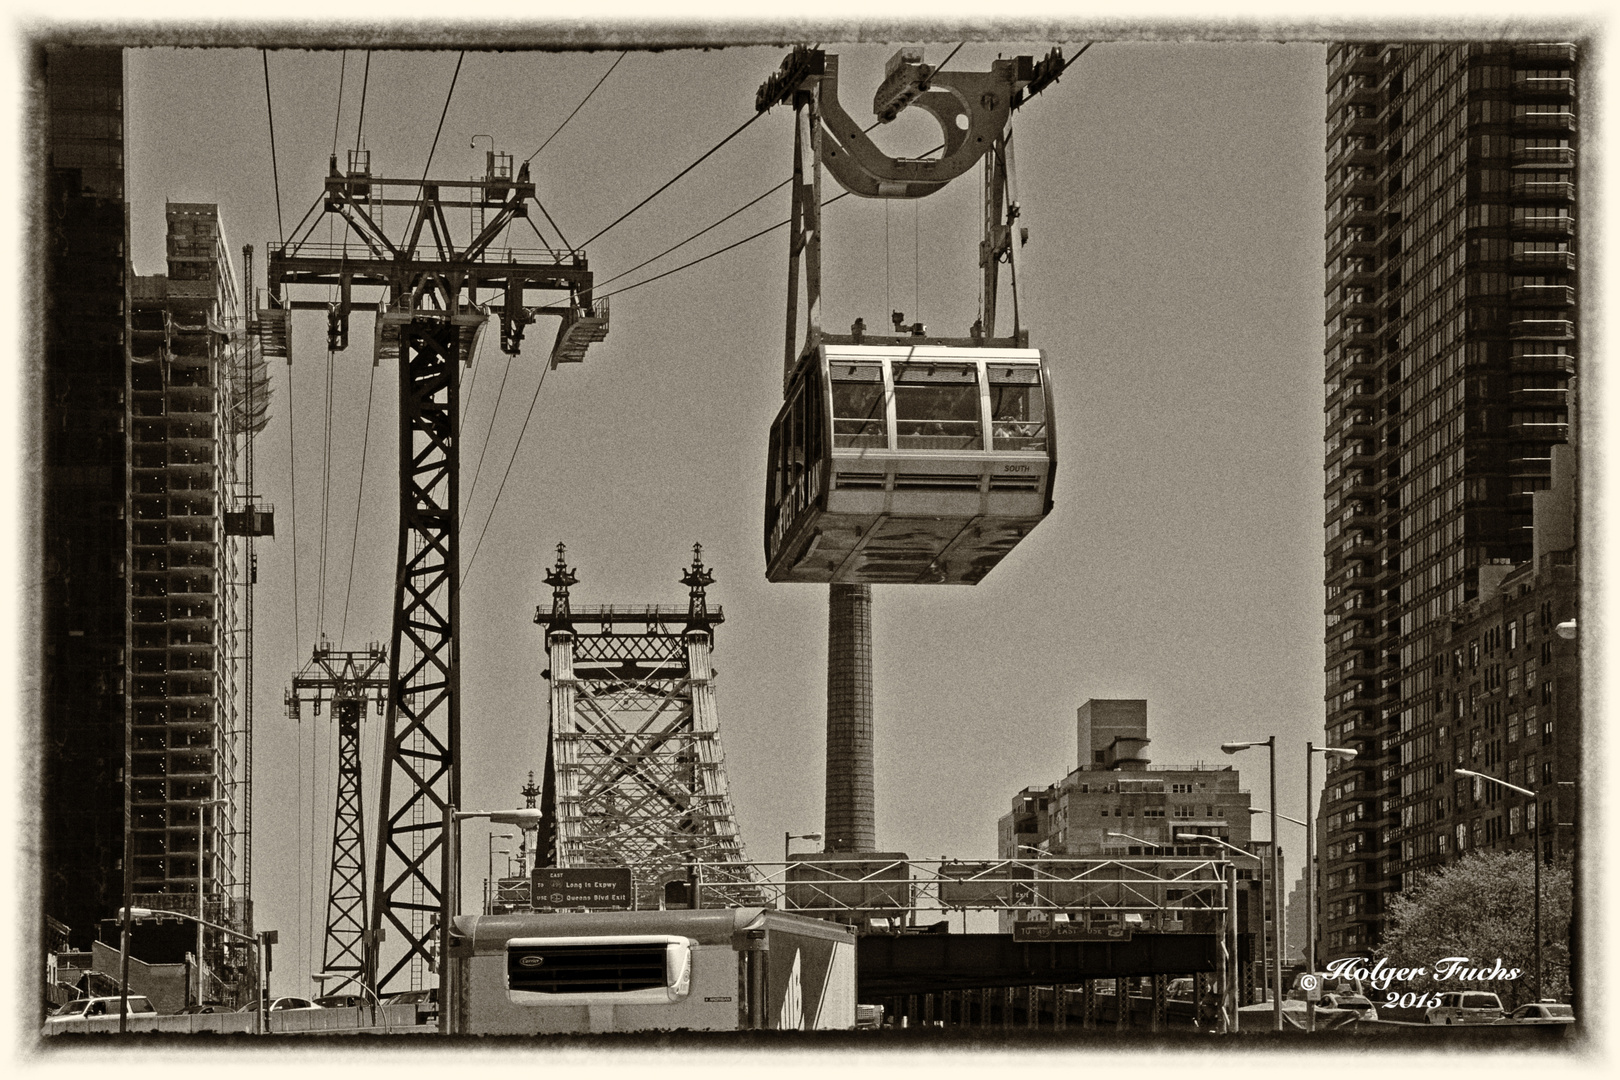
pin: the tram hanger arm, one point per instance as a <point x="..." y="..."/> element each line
<point x="982" y="99"/>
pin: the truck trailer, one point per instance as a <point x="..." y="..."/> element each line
<point x="722" y="969"/>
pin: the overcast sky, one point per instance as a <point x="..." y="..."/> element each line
<point x="1174" y="197"/>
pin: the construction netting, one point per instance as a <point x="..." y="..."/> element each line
<point x="247" y="384"/>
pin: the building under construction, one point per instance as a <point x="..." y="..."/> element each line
<point x="197" y="392"/>
<point x="153" y="394"/>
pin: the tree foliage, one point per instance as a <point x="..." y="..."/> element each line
<point x="1482" y="907"/>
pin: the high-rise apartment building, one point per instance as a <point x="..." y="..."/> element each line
<point x="152" y="391"/>
<point x="1451" y="343"/>
<point x="83" y="532"/>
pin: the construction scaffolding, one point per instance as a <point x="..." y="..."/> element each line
<point x="189" y="580"/>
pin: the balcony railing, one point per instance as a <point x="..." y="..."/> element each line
<point x="1557" y="224"/>
<point x="1545" y="119"/>
<point x="1544" y="260"/>
<point x="1527" y="82"/>
<point x="1544" y="155"/>
<point x="1543" y="295"/>
<point x="1546" y="329"/>
<point x="1544" y="54"/>
<point x="1553" y="191"/>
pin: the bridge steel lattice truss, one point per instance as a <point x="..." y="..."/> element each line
<point x="348" y="681"/>
<point x="635" y="773"/>
<point x="433" y="295"/>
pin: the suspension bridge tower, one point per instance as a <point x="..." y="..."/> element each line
<point x="635" y="776"/>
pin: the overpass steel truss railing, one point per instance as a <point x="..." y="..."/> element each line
<point x="827" y="887"/>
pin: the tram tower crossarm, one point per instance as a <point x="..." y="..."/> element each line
<point x="427" y="262"/>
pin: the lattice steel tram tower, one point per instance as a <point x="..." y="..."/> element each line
<point x="348" y="682"/>
<point x="901" y="457"/>
<point x="432" y="294"/>
<point x="635" y="776"/>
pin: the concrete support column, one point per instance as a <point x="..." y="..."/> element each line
<point x="849" y="818"/>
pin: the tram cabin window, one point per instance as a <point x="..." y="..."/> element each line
<point x="858" y="413"/>
<point x="936" y="407"/>
<point x="1017" y="408"/>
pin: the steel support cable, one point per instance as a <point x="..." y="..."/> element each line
<point x="694" y="236"/>
<point x="365" y="80"/>
<point x="712" y="254"/>
<point x="779" y="224"/>
<point x="297" y="241"/>
<point x="495" y="502"/>
<point x="292" y="484"/>
<point x="343" y="70"/>
<point x="566" y="245"/>
<point x="493" y="413"/>
<point x="432" y="149"/>
<point x="722" y="221"/>
<point x="466" y="398"/>
<point x="706" y="155"/>
<point x="298" y="754"/>
<point x="578" y="107"/>
<point x="326" y="495"/>
<point x="359" y="503"/>
<point x="270" y="112"/>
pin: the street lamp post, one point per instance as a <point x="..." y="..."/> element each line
<point x="202" y="971"/>
<point x="490" y="892"/>
<point x="1310" y="865"/>
<point x="789" y="837"/>
<point x="1270" y="743"/>
<point x="1280" y="817"/>
<point x="344" y="978"/>
<point x="450" y="894"/>
<point x="128" y="915"/>
<point x="1128" y="836"/>
<point x="1535" y="860"/>
<point x="1229" y="881"/>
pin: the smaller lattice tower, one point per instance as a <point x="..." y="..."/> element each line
<point x="348" y="680"/>
<point x="634" y="774"/>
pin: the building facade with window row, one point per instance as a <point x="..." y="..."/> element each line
<point x="1115" y="804"/>
<point x="1451" y="344"/>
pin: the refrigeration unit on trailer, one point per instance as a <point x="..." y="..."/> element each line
<point x="726" y="969"/>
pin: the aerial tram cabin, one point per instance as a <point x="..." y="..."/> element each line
<point x="907" y="459"/>
<point x="907" y="464"/>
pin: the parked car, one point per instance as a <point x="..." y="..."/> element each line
<point x="340" y="1001"/>
<point x="205" y="1007"/>
<point x="1357" y="1003"/>
<point x="426" y="1002"/>
<point x="413" y="997"/>
<point x="287" y="1004"/>
<point x="1541" y="1012"/>
<point x="1179" y="990"/>
<point x="86" y="1008"/>
<point x="1466" y="1007"/>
